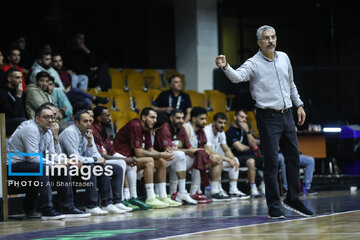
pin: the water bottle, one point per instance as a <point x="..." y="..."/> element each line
<point x="208" y="191"/>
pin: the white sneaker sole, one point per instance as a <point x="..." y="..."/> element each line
<point x="295" y="211"/>
<point x="83" y="215"/>
<point x="59" y="217"/>
<point x="221" y="200"/>
<point x="281" y="217"/>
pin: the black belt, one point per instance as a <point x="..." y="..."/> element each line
<point x="282" y="111"/>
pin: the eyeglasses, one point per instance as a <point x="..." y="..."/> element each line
<point x="268" y="38"/>
<point x="49" y="117"/>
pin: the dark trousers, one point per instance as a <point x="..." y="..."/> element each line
<point x="65" y="199"/>
<point x="277" y="129"/>
<point x="110" y="187"/>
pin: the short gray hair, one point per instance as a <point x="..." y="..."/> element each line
<point x="263" y="28"/>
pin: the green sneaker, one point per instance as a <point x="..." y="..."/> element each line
<point x="171" y="203"/>
<point x="140" y="204"/>
<point x="127" y="204"/>
<point x="156" y="203"/>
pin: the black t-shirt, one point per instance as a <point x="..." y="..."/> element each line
<point x="167" y="99"/>
<point x="237" y="134"/>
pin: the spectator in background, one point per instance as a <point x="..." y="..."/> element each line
<point x="76" y="85"/>
<point x="37" y="94"/>
<point x="174" y="98"/>
<point x="305" y="161"/>
<point x="61" y="101"/>
<point x="12" y="100"/>
<point x="69" y="78"/>
<point x="14" y="59"/>
<point x="80" y="60"/>
<point x="2" y="73"/>
<point x="27" y="59"/>
<point x="43" y="64"/>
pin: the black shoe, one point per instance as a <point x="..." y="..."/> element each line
<point x="102" y="100"/>
<point x="217" y="197"/>
<point x="276" y="213"/>
<point x="298" y="207"/>
<point x="310" y="192"/>
<point x="75" y="213"/>
<point x="32" y="214"/>
<point x="52" y="214"/>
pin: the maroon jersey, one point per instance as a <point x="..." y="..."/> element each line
<point x="102" y="140"/>
<point x="167" y="137"/>
<point x="132" y="136"/>
<point x="201" y="137"/>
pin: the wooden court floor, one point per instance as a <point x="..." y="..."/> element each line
<point x="337" y="217"/>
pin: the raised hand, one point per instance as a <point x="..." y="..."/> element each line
<point x="221" y="61"/>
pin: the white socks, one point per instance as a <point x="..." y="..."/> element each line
<point x="182" y="188"/>
<point x="233" y="174"/>
<point x="149" y="190"/>
<point x="131" y="177"/>
<point x="233" y="187"/>
<point x="195" y="181"/>
<point x="162" y="189"/>
<point x="126" y="195"/>
<point x="214" y="187"/>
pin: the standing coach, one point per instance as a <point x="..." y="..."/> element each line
<point x="273" y="89"/>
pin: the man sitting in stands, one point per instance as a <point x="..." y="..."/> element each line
<point x="12" y="100"/>
<point x="60" y="100"/>
<point x="76" y="85"/>
<point x="174" y="98"/>
<point x="134" y="140"/>
<point x="43" y="64"/>
<point x="37" y="136"/>
<point x="36" y="94"/>
<point x="14" y="60"/>
<point x="216" y="140"/>
<point x="82" y="61"/>
<point x="78" y="140"/>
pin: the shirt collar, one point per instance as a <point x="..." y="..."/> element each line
<point x="77" y="130"/>
<point x="266" y="58"/>
<point x="42" y="131"/>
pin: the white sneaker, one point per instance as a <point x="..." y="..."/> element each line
<point x="237" y="194"/>
<point x="96" y="211"/>
<point x="185" y="197"/>
<point x="254" y="192"/>
<point x="123" y="207"/>
<point x="223" y="193"/>
<point x="112" y="209"/>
